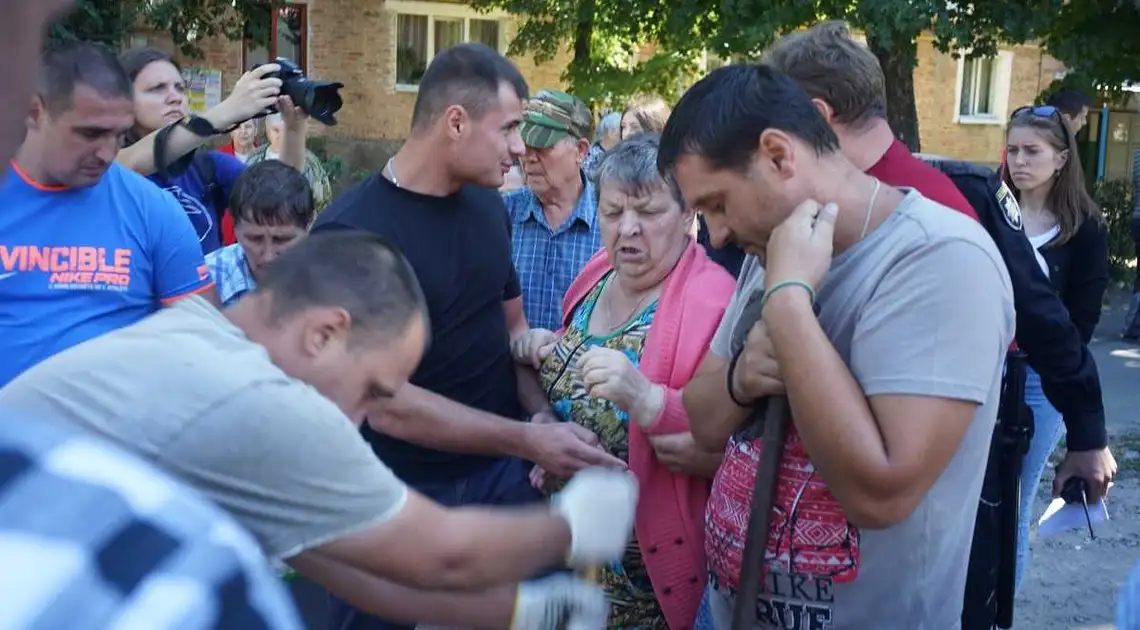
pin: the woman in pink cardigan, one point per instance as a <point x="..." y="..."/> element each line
<point x="637" y="321"/>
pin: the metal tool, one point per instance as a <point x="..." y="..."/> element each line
<point x="1076" y="491"/>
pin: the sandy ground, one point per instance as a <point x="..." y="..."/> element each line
<point x="1073" y="581"/>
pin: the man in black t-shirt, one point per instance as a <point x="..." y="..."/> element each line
<point x="459" y="432"/>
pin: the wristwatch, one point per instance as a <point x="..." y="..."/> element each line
<point x="200" y="126"/>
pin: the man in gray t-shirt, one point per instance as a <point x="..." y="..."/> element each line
<point x="884" y="318"/>
<point x="259" y="409"/>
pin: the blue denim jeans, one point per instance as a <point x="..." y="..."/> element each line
<point x="1128" y="602"/>
<point x="1047" y="430"/>
<point x="503" y="483"/>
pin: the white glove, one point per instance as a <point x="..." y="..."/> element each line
<point x="599" y="505"/>
<point x="561" y="601"/>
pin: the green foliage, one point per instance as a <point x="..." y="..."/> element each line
<point x="341" y="175"/>
<point x="188" y="21"/>
<point x="604" y="34"/>
<point x="1096" y="40"/>
<point x="1115" y="200"/>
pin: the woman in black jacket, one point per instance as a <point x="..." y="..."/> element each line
<point x="1065" y="226"/>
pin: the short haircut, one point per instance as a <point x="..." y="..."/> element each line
<point x="359" y="272"/>
<point x="722" y="116"/>
<point x="610" y="123"/>
<point x="830" y="65"/>
<point x="63" y="68"/>
<point x="273" y="193"/>
<point x="632" y="166"/>
<point x="468" y="75"/>
<point x="274" y="120"/>
<point x="137" y="59"/>
<point x="1069" y="101"/>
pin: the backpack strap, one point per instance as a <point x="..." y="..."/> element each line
<point x="211" y="190"/>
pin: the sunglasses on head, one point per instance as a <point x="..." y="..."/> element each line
<point x="1039" y="111"/>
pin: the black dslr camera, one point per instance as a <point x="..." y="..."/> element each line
<point x="319" y="99"/>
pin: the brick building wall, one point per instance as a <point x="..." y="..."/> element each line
<point x="936" y="83"/>
<point x="352" y="41"/>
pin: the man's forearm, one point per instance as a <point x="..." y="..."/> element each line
<point x="531" y="396"/>
<point x="139" y="157"/>
<point x="491" y="609"/>
<point x="713" y="417"/>
<point x="831" y="415"/>
<point x="293" y="153"/>
<point x="425" y="418"/>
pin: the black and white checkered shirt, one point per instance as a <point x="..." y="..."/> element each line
<point x="92" y="538"/>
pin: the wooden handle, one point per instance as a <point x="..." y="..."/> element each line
<point x="592" y="573"/>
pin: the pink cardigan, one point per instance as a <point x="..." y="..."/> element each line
<point x="670" y="515"/>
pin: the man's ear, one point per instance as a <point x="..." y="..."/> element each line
<point x="455" y="119"/>
<point x="323" y="328"/>
<point x="776" y="152"/>
<point x="824" y="109"/>
<point x="37" y="113"/>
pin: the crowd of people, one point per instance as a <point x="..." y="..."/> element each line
<point x="527" y="375"/>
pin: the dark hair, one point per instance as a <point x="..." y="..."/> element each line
<point x="830" y="65"/>
<point x="722" y="116"/>
<point x="134" y="60"/>
<point x="71" y="64"/>
<point x="1068" y="198"/>
<point x="468" y="75"/>
<point x="273" y="193"/>
<point x="359" y="272"/>
<point x="1069" y="101"/>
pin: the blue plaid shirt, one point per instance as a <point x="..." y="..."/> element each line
<point x="548" y="259"/>
<point x="230" y="272"/>
<point x="93" y="538"/>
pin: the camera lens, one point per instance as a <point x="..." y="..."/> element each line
<point x="319" y="99"/>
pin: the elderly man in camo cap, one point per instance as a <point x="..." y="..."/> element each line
<point x="554" y="217"/>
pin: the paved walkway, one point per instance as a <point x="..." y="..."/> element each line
<point x="1072" y="581"/>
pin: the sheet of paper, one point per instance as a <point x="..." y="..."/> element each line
<point x="1061" y="517"/>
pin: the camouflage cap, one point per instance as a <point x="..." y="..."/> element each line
<point x="550" y="116"/>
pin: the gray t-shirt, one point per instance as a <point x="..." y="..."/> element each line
<point x="921" y="307"/>
<point x="189" y="391"/>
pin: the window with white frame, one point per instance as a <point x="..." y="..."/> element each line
<point x="983" y="89"/>
<point x="420" y="36"/>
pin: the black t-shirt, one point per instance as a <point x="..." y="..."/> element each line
<point x="460" y="249"/>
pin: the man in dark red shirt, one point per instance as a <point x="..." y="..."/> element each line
<point x="855" y="105"/>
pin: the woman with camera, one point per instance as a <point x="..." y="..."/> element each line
<point x="166" y="142"/>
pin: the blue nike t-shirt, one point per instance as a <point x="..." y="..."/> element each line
<point x="189" y="189"/>
<point x="78" y="262"/>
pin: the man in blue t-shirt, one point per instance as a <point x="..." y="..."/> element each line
<point x="86" y="246"/>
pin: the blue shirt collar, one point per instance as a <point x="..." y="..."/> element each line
<point x="586" y="210"/>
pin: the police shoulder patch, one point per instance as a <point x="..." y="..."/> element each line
<point x="1010" y="209"/>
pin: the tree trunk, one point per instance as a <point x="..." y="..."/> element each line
<point x="899" y="58"/>
<point x="584" y="32"/>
